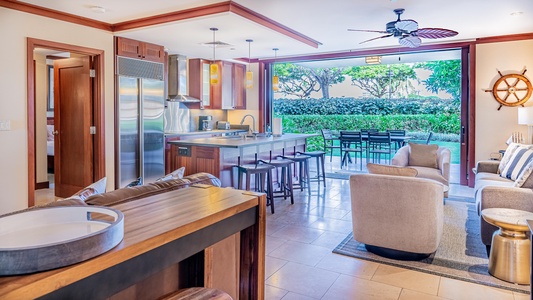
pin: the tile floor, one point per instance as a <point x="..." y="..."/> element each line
<point x="300" y="264"/>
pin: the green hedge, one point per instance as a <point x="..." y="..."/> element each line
<point x="441" y="124"/>
<point x="353" y="106"/>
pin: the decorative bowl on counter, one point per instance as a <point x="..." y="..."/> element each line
<point x="48" y="238"/>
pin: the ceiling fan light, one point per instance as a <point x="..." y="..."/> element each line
<point x="373" y="60"/>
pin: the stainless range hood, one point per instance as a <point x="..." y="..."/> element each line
<point x="177" y="79"/>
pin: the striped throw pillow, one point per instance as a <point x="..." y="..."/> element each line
<point x="517" y="163"/>
<point x="507" y="155"/>
<point x="524" y="178"/>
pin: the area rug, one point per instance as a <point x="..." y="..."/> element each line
<point x="461" y="254"/>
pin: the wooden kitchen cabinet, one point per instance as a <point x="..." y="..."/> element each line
<point x="199" y="83"/>
<point x="140" y="50"/>
<point x="228" y="93"/>
<point x="239" y="87"/>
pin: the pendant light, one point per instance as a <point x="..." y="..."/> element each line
<point x="213" y="68"/>
<point x="249" y="75"/>
<point x="275" y="79"/>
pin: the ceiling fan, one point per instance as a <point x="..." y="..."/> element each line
<point x="408" y="33"/>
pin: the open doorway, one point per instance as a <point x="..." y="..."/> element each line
<point x="75" y="115"/>
<point x="423" y="93"/>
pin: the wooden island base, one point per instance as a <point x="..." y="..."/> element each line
<point x="219" y="156"/>
<point x="197" y="236"/>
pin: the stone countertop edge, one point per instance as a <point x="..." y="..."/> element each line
<point x="202" y="132"/>
<point x="221" y="142"/>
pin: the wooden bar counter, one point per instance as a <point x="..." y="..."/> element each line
<point x="172" y="240"/>
<point x="219" y="155"/>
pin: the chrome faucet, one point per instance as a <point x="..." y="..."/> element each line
<point x="253" y="122"/>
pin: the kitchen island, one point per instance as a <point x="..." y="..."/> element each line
<point x="175" y="136"/>
<point x="219" y="155"/>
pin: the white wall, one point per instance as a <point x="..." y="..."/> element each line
<point x="14" y="28"/>
<point x="494" y="127"/>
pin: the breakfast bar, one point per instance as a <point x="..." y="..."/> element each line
<point x="218" y="155"/>
<point x="201" y="236"/>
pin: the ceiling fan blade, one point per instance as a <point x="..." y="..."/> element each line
<point x="379" y="37"/>
<point x="435" y="33"/>
<point x="410" y="41"/>
<point x="406" y="25"/>
<point x="362" y="30"/>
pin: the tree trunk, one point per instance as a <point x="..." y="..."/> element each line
<point x="325" y="91"/>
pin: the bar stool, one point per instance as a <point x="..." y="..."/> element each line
<point x="263" y="170"/>
<point x="320" y="170"/>
<point x="197" y="293"/>
<point x="303" y="170"/>
<point x="285" y="182"/>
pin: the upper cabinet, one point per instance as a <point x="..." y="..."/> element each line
<point x="239" y="88"/>
<point x="199" y="85"/>
<point x="228" y="93"/>
<point x="140" y="50"/>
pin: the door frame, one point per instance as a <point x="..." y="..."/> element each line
<point x="468" y="94"/>
<point x="98" y="106"/>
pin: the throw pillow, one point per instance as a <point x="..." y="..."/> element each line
<point x="136" y="182"/>
<point x="391" y="170"/>
<point x="93" y="189"/>
<point x="520" y="158"/>
<point x="524" y="179"/>
<point x="423" y="155"/>
<point x="176" y="174"/>
<point x="509" y="153"/>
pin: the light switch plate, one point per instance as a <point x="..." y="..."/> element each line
<point x="5" y="125"/>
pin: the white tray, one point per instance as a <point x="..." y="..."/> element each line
<point x="48" y="238"/>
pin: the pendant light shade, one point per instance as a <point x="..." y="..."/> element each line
<point x="249" y="75"/>
<point x="213" y="68"/>
<point x="275" y="79"/>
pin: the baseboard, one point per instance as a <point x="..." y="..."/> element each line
<point x="42" y="185"/>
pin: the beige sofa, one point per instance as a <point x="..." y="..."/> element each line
<point x="442" y="171"/>
<point x="133" y="193"/>
<point x="397" y="216"/>
<point x="493" y="191"/>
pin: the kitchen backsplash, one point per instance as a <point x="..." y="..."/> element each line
<point x="217" y="114"/>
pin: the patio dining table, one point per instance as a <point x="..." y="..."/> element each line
<point x="394" y="138"/>
<point x="400" y="140"/>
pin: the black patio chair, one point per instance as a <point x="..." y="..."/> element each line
<point x="351" y="142"/>
<point x="379" y="144"/>
<point x="329" y="142"/>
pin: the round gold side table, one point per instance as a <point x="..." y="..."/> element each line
<point x="509" y="258"/>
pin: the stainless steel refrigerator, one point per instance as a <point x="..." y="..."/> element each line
<point x="140" y="111"/>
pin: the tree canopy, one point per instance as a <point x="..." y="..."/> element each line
<point x="302" y="81"/>
<point x="380" y="80"/>
<point x="446" y="76"/>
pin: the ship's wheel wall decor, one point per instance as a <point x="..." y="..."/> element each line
<point x="511" y="89"/>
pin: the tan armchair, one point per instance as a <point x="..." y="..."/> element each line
<point x="397" y="216"/>
<point x="440" y="172"/>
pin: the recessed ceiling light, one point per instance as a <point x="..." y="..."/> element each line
<point x="517" y="13"/>
<point x="98" y="9"/>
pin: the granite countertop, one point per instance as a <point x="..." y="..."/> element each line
<point x="240" y="141"/>
<point x="204" y="132"/>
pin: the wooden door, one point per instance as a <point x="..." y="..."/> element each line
<point x="73" y="147"/>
